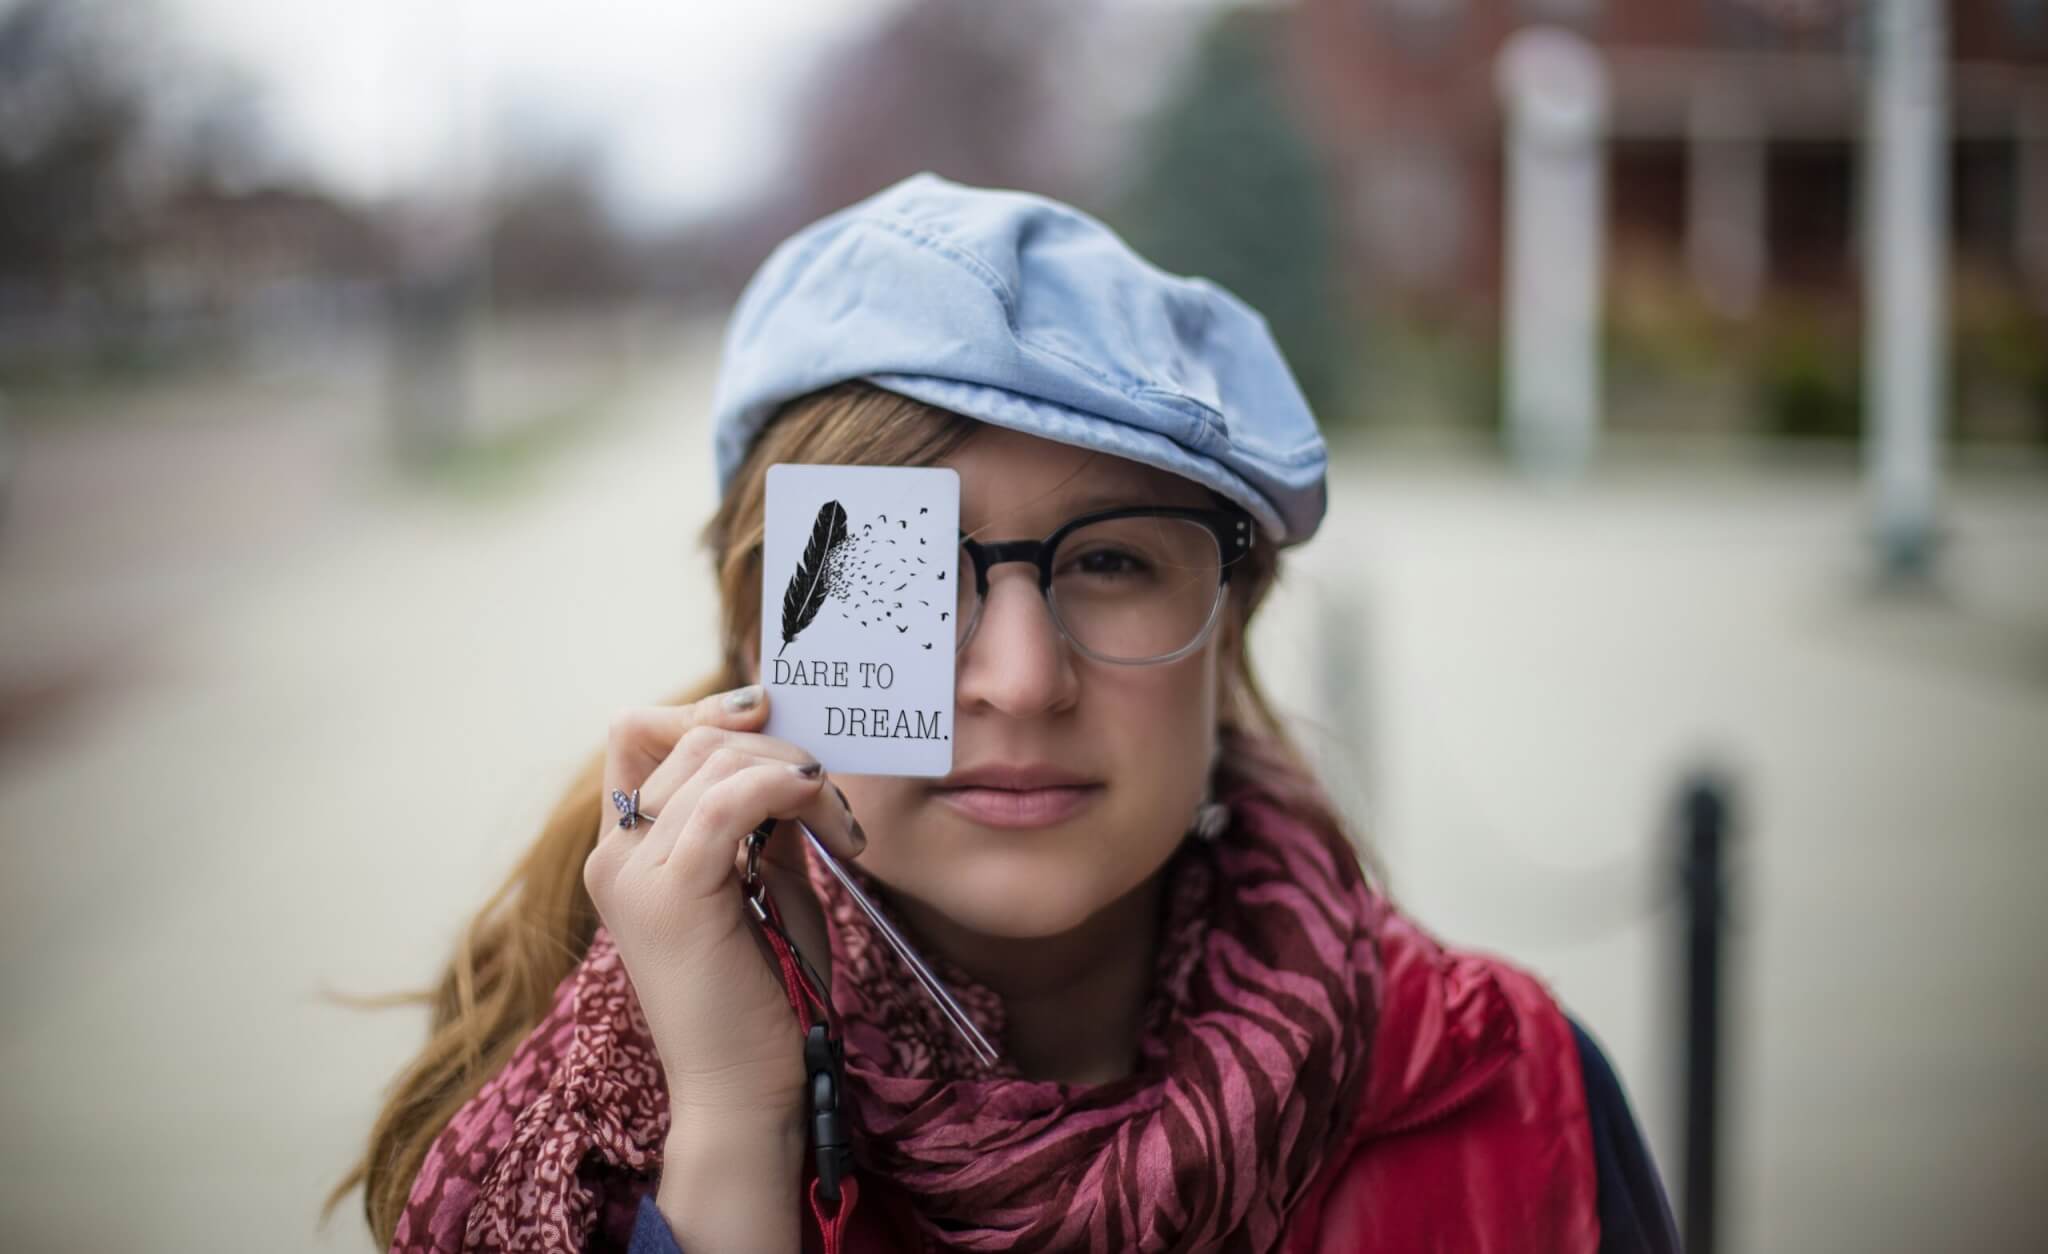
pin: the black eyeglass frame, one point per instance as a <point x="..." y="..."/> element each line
<point x="1230" y="525"/>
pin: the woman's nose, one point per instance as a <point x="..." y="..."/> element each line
<point x="1017" y="661"/>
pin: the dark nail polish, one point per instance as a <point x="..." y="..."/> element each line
<point x="860" y="838"/>
<point x="809" y="770"/>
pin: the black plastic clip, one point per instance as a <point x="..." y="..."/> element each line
<point x="822" y="1063"/>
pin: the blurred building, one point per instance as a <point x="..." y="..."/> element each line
<point x="1404" y="98"/>
<point x="1733" y="157"/>
<point x="263" y="255"/>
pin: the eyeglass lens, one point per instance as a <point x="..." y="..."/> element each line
<point x="1126" y="589"/>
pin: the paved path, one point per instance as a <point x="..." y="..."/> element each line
<point x="1538" y="671"/>
<point x="318" y="770"/>
<point x="308" y="776"/>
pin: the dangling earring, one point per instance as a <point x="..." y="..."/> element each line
<point x="1212" y="817"/>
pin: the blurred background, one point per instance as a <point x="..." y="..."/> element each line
<point x="1679" y="628"/>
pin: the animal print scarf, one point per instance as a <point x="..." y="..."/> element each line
<point x="1253" y="1061"/>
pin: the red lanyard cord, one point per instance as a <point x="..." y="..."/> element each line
<point x="824" y="1057"/>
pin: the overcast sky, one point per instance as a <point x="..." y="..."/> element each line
<point x="682" y="98"/>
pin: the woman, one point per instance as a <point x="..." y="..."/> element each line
<point x="1213" y="1032"/>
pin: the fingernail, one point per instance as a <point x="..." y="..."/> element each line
<point x="743" y="698"/>
<point x="809" y="770"/>
<point x="860" y="838"/>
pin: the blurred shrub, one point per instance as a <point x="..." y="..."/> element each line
<point x="2000" y="362"/>
<point x="1419" y="372"/>
<point x="1656" y="318"/>
<point x="1228" y="187"/>
<point x="1795" y="369"/>
<point x="1672" y="363"/>
<point x="1807" y="375"/>
<point x="1808" y="364"/>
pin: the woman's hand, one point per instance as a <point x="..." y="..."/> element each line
<point x="668" y="891"/>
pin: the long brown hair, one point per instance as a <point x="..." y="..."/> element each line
<point x="535" y="928"/>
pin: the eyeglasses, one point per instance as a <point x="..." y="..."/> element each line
<point x="1134" y="586"/>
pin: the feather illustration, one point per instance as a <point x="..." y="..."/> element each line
<point x="810" y="583"/>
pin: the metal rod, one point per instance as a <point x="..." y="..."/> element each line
<point x="932" y="987"/>
<point x="1705" y="822"/>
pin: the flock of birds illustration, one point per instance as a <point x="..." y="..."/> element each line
<point x="864" y="571"/>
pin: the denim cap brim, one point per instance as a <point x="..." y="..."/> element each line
<point x="1022" y="312"/>
<point x="1051" y="421"/>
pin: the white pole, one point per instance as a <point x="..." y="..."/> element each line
<point x="1905" y="261"/>
<point x="1554" y="86"/>
<point x="1726" y="243"/>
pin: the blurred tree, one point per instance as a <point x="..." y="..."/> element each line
<point x="134" y="190"/>
<point x="961" y="87"/>
<point x="1041" y="96"/>
<point x="1227" y="186"/>
<point x="551" y="239"/>
<point x="980" y="92"/>
<point x="71" y="125"/>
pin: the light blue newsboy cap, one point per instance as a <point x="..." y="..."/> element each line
<point x="1024" y="312"/>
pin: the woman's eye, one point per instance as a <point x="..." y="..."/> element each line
<point x="1109" y="562"/>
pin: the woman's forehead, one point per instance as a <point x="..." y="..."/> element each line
<point x="1012" y="479"/>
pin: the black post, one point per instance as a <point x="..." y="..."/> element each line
<point x="1702" y="873"/>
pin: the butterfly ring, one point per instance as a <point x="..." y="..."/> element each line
<point x="630" y="813"/>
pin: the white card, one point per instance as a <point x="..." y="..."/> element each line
<point x="859" y="591"/>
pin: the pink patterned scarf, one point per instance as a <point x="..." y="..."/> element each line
<point x="1253" y="1060"/>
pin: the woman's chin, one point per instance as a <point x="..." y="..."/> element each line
<point x="1009" y="902"/>
<point x="1020" y="885"/>
<point x="1014" y="920"/>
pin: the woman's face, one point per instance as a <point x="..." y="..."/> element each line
<point x="1141" y="737"/>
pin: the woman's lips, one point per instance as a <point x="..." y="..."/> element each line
<point x="1023" y="807"/>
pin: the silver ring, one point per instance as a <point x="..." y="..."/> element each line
<point x="630" y="813"/>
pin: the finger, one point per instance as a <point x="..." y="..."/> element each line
<point x="717" y="766"/>
<point x="832" y="819"/>
<point x="696" y="747"/>
<point x="839" y="830"/>
<point x="829" y="817"/>
<point x="615" y="845"/>
<point x="640" y="733"/>
<point x="709" y="755"/>
<point x="702" y="859"/>
<point x="670" y="789"/>
<point x="640" y="737"/>
<point x="612" y="827"/>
